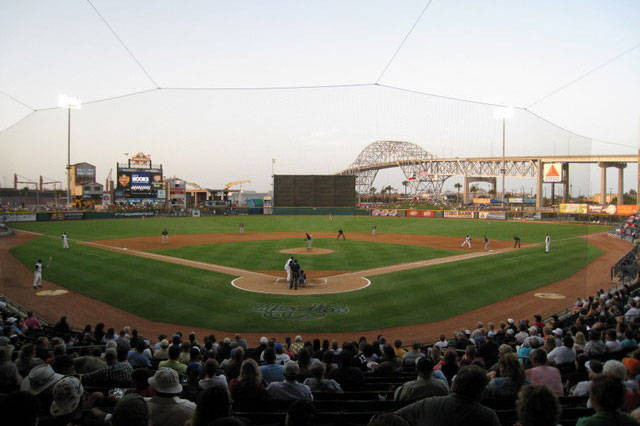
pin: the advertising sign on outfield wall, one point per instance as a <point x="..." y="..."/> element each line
<point x="384" y="212"/>
<point x="18" y="217"/>
<point x="458" y="214"/>
<point x="421" y="213"/>
<point x="626" y="209"/>
<point x="482" y="201"/>
<point x="492" y="215"/>
<point x="574" y="208"/>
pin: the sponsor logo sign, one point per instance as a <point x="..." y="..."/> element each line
<point x="72" y="215"/>
<point x="594" y="209"/>
<point x="458" y="214"/>
<point x="162" y="194"/>
<point x="421" y="213"/>
<point x="552" y="172"/>
<point x="574" y="208"/>
<point x="492" y="215"/>
<point x="610" y="209"/>
<point x="515" y="200"/>
<point x="18" y="217"/>
<point x="280" y="311"/>
<point x="133" y="214"/>
<point x="626" y="209"/>
<point x="482" y="201"/>
<point x="124" y="180"/>
<point x="140" y="182"/>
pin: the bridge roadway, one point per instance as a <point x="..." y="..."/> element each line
<point x="488" y="169"/>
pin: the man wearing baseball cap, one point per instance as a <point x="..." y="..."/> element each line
<point x="290" y="388"/>
<point x="165" y="408"/>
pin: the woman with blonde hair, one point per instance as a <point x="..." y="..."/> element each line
<point x="248" y="386"/>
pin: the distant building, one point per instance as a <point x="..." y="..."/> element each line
<point x="176" y="192"/>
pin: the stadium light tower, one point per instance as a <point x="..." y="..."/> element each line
<point x="68" y="102"/>
<point x="503" y="114"/>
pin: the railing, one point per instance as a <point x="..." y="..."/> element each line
<point x="626" y="268"/>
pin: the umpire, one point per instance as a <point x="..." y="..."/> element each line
<point x="295" y="274"/>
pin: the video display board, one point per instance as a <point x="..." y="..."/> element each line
<point x="138" y="184"/>
<point x="314" y="191"/>
<point x="84" y="173"/>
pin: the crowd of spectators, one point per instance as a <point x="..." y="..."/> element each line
<point x="532" y="368"/>
<point x="628" y="230"/>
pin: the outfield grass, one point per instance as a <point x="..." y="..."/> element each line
<point x="347" y="256"/>
<point x="178" y="294"/>
<point x="89" y="230"/>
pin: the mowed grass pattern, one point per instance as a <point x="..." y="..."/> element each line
<point x="265" y="255"/>
<point x="89" y="230"/>
<point x="189" y="296"/>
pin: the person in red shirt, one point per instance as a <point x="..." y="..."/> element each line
<point x="32" y="322"/>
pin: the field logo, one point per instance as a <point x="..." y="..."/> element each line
<point x="279" y="311"/>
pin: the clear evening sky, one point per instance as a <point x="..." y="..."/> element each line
<point x="506" y="52"/>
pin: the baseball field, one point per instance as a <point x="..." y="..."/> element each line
<point x="210" y="276"/>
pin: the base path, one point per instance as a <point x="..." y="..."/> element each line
<point x="16" y="281"/>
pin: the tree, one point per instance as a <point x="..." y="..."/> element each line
<point x="372" y="190"/>
<point x="473" y="190"/>
<point x="492" y="192"/>
<point x="457" y="186"/>
<point x="405" y="183"/>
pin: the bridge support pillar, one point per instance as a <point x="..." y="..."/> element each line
<point x="621" y="168"/>
<point x="603" y="183"/>
<point x="565" y="183"/>
<point x="539" y="194"/>
<point x="465" y="190"/>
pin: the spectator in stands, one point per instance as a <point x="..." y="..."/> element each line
<point x="39" y="383"/>
<point x="166" y="408"/>
<point x="617" y="369"/>
<point x="564" y="354"/>
<point x="271" y="372"/>
<point x="629" y="342"/>
<point x="211" y="376"/>
<point x="140" y="380"/>
<point x="10" y="378"/>
<point x="442" y="343"/>
<point x="123" y="341"/>
<point x="449" y="366"/>
<point x="26" y="359"/>
<point x="289" y="388"/>
<point x="172" y="362"/>
<point x="248" y="387"/>
<point x="612" y="345"/>
<point x="391" y="364"/>
<point x="543" y="374"/>
<point x="594" y="367"/>
<point x="537" y="406"/>
<point x="89" y="362"/>
<point x="632" y="313"/>
<point x="304" y="363"/>
<point x="62" y="327"/>
<point x="397" y="347"/>
<point x="162" y="353"/>
<point x="424" y="386"/>
<point x="19" y="409"/>
<point x="462" y="407"/>
<point x="136" y="356"/>
<point x="300" y="413"/>
<point x="388" y="419"/>
<point x="317" y="383"/>
<point x="461" y="341"/>
<point x="411" y="357"/>
<point x="296" y="346"/>
<point x="32" y="322"/>
<point x="349" y="377"/>
<point x="117" y="372"/>
<point x="131" y="410"/>
<point x="633" y="363"/>
<point x="70" y="405"/>
<point x="579" y="342"/>
<point x="98" y="332"/>
<point x="595" y="346"/>
<point x="508" y="380"/>
<point x="607" y="395"/>
<point x="488" y="351"/>
<point x="212" y="404"/>
<point x="185" y="353"/>
<point x="63" y="364"/>
<point x="110" y="336"/>
<point x="232" y="365"/>
<point x="471" y="356"/>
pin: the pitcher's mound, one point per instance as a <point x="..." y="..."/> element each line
<point x="305" y="251"/>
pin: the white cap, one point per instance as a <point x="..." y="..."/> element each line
<point x="557" y="332"/>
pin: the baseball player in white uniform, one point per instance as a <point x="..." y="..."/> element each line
<point x="467" y="241"/>
<point x="287" y="268"/>
<point x="37" y="274"/>
<point x="65" y="240"/>
<point x="309" y="239"/>
<point x="373" y="230"/>
<point x="547" y="243"/>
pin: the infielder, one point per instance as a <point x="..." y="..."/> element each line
<point x="341" y="234"/>
<point x="486" y="243"/>
<point x="287" y="268"/>
<point x="467" y="241"/>
<point x="516" y="241"/>
<point x="165" y="235"/>
<point x="373" y="230"/>
<point x="547" y="243"/>
<point x="37" y="273"/>
<point x="309" y="239"/>
<point x="242" y="228"/>
<point x="65" y="240"/>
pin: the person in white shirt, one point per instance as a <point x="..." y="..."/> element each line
<point x="37" y="273"/>
<point x="65" y="240"/>
<point x="211" y="378"/>
<point x="612" y="344"/>
<point x="287" y="268"/>
<point x="289" y="388"/>
<point x="563" y="354"/>
<point x="547" y="243"/>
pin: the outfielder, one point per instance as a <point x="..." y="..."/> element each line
<point x="547" y="243"/>
<point x="37" y="273"/>
<point x="65" y="240"/>
<point x="309" y="239"/>
<point x="486" y="243"/>
<point x="242" y="228"/>
<point x="467" y="241"/>
<point x="165" y="235"/>
<point x="373" y="230"/>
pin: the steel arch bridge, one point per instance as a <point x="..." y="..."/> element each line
<point x="412" y="159"/>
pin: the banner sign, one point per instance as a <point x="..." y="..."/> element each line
<point x="458" y="214"/>
<point x="133" y="214"/>
<point x="384" y="212"/>
<point x="552" y="172"/>
<point x="492" y="215"/>
<point x="515" y="200"/>
<point x="162" y="194"/>
<point x="421" y="213"/>
<point x="626" y="209"/>
<point x="574" y="208"/>
<point x="482" y="201"/>
<point x="72" y="215"/>
<point x="17" y="217"/>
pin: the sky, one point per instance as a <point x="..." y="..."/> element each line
<point x="502" y="52"/>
